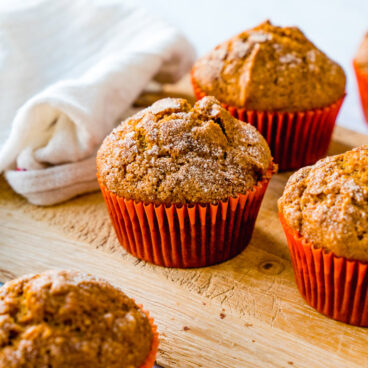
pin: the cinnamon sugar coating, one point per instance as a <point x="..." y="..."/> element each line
<point x="65" y="319"/>
<point x="172" y="152"/>
<point x="361" y="57"/>
<point x="327" y="203"/>
<point x="270" y="68"/>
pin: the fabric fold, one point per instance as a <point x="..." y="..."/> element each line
<point x="55" y="134"/>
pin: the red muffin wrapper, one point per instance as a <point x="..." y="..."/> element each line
<point x="335" y="286"/>
<point x="151" y="357"/>
<point x="362" y="79"/>
<point x="188" y="235"/>
<point x="296" y="139"/>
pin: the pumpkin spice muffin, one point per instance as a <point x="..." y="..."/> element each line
<point x="65" y="319"/>
<point x="328" y="203"/>
<point x="269" y="70"/>
<point x="174" y="154"/>
<point x="361" y="72"/>
<point x="324" y="211"/>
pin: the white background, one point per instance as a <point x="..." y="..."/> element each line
<point x="335" y="26"/>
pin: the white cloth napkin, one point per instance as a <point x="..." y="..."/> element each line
<point x="84" y="62"/>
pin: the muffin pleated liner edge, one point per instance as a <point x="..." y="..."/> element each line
<point x="296" y="139"/>
<point x="362" y="80"/>
<point x="335" y="286"/>
<point x="151" y="357"/>
<point x="188" y="235"/>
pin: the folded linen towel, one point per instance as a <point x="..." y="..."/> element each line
<point x="84" y="63"/>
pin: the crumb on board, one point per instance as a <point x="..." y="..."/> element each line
<point x="186" y="328"/>
<point x="222" y="315"/>
<point x="290" y="363"/>
<point x="246" y="324"/>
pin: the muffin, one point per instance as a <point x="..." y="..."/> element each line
<point x="324" y="214"/>
<point x="277" y="80"/>
<point x="361" y="72"/>
<point x="65" y="319"/>
<point x="183" y="184"/>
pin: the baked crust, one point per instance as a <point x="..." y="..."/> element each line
<point x="270" y="68"/>
<point x="172" y="152"/>
<point x="327" y="203"/>
<point x="64" y="319"/>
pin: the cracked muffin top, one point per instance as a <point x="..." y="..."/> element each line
<point x="172" y="152"/>
<point x="270" y="68"/>
<point x="65" y="319"/>
<point x="361" y="57"/>
<point x="328" y="203"/>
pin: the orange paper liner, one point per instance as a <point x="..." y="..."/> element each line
<point x="186" y="235"/>
<point x="151" y="357"/>
<point x="335" y="286"/>
<point x="296" y="139"/>
<point x="362" y="79"/>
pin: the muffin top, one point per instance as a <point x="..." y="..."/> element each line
<point x="64" y="319"/>
<point x="172" y="152"/>
<point x="361" y="57"/>
<point x="327" y="203"/>
<point x="270" y="68"/>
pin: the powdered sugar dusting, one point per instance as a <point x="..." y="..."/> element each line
<point x="259" y="37"/>
<point x="165" y="104"/>
<point x="277" y="46"/>
<point x="311" y="55"/>
<point x="220" y="52"/>
<point x="290" y="59"/>
<point x="240" y="48"/>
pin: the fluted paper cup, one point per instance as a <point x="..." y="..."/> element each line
<point x="335" y="286"/>
<point x="186" y="235"/>
<point x="151" y="357"/>
<point x="362" y="79"/>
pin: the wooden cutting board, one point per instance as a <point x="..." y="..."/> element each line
<point x="246" y="312"/>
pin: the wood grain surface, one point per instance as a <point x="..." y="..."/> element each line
<point x="246" y="312"/>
